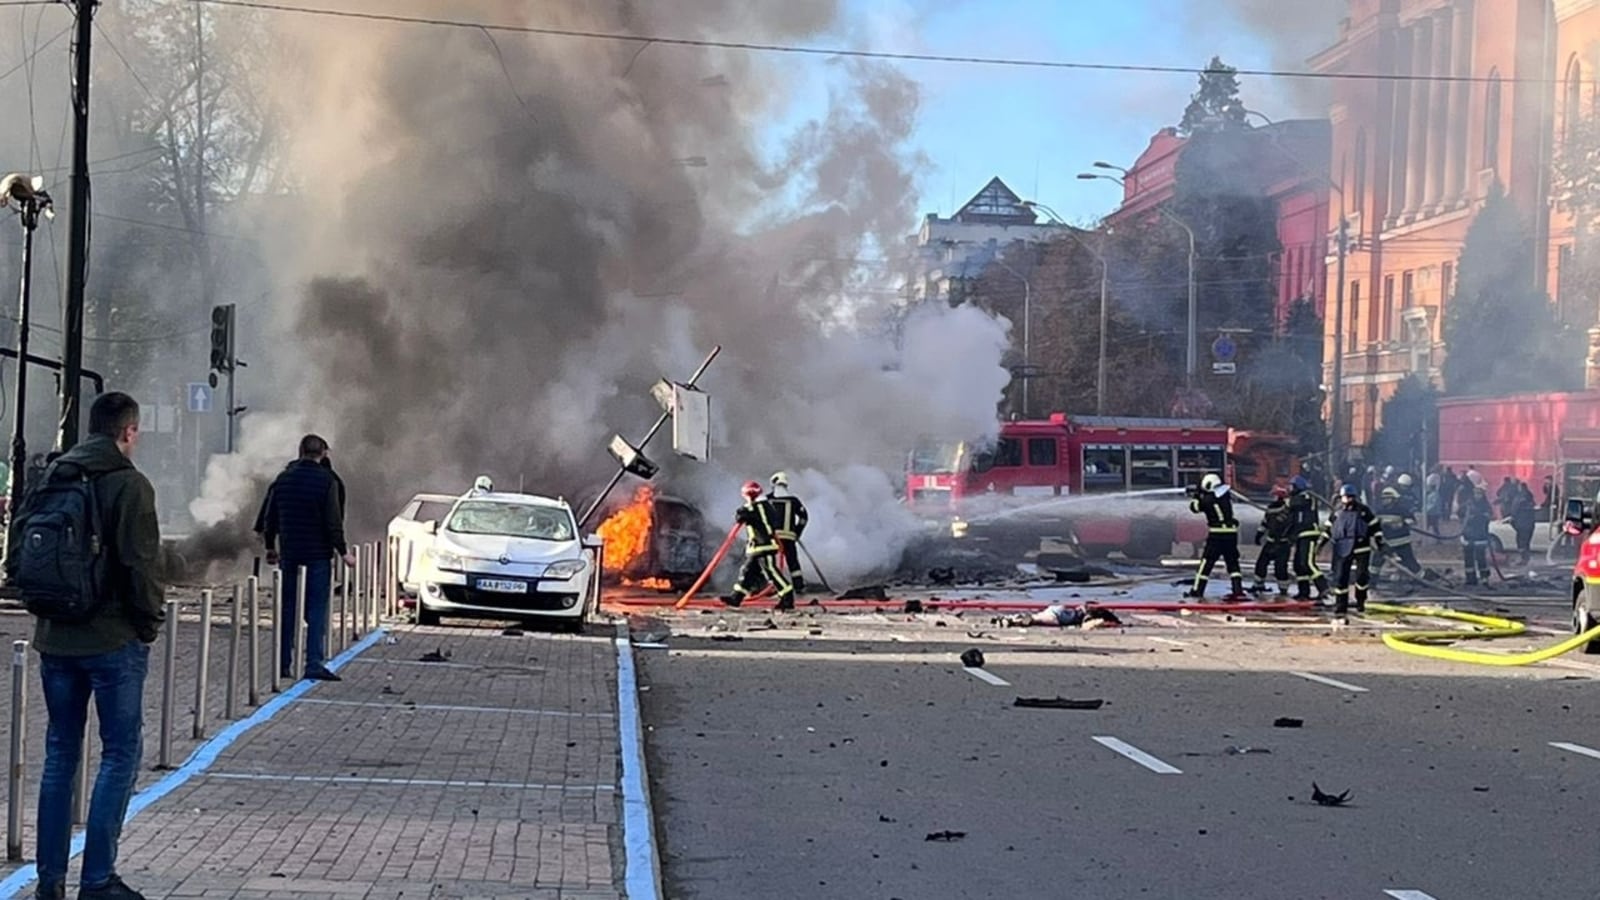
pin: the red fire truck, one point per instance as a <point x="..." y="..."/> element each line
<point x="1051" y="470"/>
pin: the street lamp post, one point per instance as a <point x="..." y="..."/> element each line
<point x="26" y="195"/>
<point x="1027" y="331"/>
<point x="1191" y="332"/>
<point x="1341" y="249"/>
<point x="1101" y="258"/>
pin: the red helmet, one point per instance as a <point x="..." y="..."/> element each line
<point x="1279" y="491"/>
<point x="751" y="490"/>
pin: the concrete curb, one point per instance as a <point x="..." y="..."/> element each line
<point x="641" y="855"/>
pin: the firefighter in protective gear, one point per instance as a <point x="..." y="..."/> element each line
<point x="1276" y="538"/>
<point x="1475" y="536"/>
<point x="1222" y="535"/>
<point x="1354" y="531"/>
<point x="791" y="523"/>
<point x="1396" y="516"/>
<point x="1307" y="533"/>
<point x="762" y="562"/>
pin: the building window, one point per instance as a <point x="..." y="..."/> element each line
<point x="1565" y="273"/>
<point x="1355" y="311"/>
<point x="1447" y="282"/>
<point x="1573" y="107"/>
<point x="1388" y="305"/>
<point x="1491" y="122"/>
<point x="1408" y="296"/>
<point x="1358" y="199"/>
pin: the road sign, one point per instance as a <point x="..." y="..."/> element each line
<point x="199" y="394"/>
<point x="1223" y="368"/>
<point x="1223" y="349"/>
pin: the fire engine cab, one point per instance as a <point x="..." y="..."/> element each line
<point x="1580" y="527"/>
<point x="1055" y="467"/>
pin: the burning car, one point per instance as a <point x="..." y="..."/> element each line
<point x="500" y="554"/>
<point x="653" y="541"/>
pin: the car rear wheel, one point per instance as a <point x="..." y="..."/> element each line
<point x="1583" y="619"/>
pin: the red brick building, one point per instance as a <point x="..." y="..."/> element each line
<point x="1470" y="105"/>
<point x="1291" y="157"/>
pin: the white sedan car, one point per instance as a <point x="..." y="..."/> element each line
<point x="495" y="554"/>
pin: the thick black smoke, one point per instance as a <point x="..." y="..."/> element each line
<point x="503" y="245"/>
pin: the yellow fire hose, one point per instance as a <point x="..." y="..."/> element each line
<point x="1428" y="643"/>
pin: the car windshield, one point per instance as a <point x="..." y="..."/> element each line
<point x="520" y="520"/>
<point x="936" y="458"/>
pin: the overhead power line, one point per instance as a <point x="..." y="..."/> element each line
<point x="762" y="47"/>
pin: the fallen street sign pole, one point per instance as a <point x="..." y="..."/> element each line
<point x="660" y="423"/>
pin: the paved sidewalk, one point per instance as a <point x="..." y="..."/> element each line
<point x="492" y="774"/>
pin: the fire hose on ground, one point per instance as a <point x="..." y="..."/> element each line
<point x="1430" y="643"/>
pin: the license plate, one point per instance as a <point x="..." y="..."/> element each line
<point x="502" y="587"/>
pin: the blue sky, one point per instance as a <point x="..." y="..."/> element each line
<point x="1038" y="128"/>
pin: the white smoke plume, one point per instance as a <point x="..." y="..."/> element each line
<point x="498" y="245"/>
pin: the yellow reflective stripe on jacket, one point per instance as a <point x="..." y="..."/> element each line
<point x="1224" y="529"/>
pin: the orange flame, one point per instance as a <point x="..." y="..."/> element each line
<point x="627" y="531"/>
<point x="649" y="584"/>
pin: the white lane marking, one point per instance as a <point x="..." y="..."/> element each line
<point x="1137" y="755"/>
<point x="1579" y="749"/>
<point x="404" y="707"/>
<point x="1410" y="895"/>
<point x="983" y="675"/>
<point x="1162" y="640"/>
<point x="1331" y="682"/>
<point x="409" y="782"/>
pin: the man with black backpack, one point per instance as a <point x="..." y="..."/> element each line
<point x="302" y="523"/>
<point x="83" y="552"/>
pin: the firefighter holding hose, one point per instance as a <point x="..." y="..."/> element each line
<point x="1396" y="516"/>
<point x="790" y="524"/>
<point x="1276" y="536"/>
<point x="1307" y="533"/>
<point x="1222" y="535"/>
<point x="763" y="564"/>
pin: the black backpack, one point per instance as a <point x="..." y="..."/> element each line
<point x="60" y="568"/>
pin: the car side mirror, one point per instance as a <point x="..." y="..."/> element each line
<point x="433" y="527"/>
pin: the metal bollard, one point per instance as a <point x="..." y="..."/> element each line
<point x="201" y="673"/>
<point x="355" y="584"/>
<point x="380" y="608"/>
<point x="299" y="625"/>
<point x="391" y="590"/>
<point x="277" y="630"/>
<point x="169" y="675"/>
<point x="253" y="594"/>
<point x="19" y="720"/>
<point x="342" y="635"/>
<point x="230" y="702"/>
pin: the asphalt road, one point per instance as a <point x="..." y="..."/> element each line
<point x="793" y="765"/>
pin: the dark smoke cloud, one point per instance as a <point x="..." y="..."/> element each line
<point x="494" y="264"/>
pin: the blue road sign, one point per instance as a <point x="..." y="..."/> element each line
<point x="1223" y="349"/>
<point x="199" y="397"/>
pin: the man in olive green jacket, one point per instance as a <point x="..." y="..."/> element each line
<point x="106" y="657"/>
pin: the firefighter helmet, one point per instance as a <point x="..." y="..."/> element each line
<point x="1210" y="483"/>
<point x="1405" y="481"/>
<point x="751" y="490"/>
<point x="1348" y="490"/>
<point x="779" y="479"/>
<point x="1299" y="483"/>
<point x="1279" y="491"/>
<point x="1391" y="494"/>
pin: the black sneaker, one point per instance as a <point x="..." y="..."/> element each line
<point x="321" y="674"/>
<point x="733" y="601"/>
<point x="58" y="892"/>
<point x="111" y="890"/>
<point x="785" y="605"/>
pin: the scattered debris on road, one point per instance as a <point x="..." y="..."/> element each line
<point x="1056" y="703"/>
<point x="513" y="632"/>
<point x="1288" y="722"/>
<point x="438" y="655"/>
<point x="1325" y="799"/>
<point x="946" y="836"/>
<point x="726" y="638"/>
<point x="889" y="820"/>
<point x="972" y="659"/>
<point x="866" y="592"/>
<point x="1245" y="751"/>
<point x="912" y="607"/>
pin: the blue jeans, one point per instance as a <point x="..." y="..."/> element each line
<point x="316" y="612"/>
<point x="116" y="681"/>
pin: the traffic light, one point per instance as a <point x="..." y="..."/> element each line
<point x="222" y="338"/>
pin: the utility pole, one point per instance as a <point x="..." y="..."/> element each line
<point x="1336" y="404"/>
<point x="78" y="235"/>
